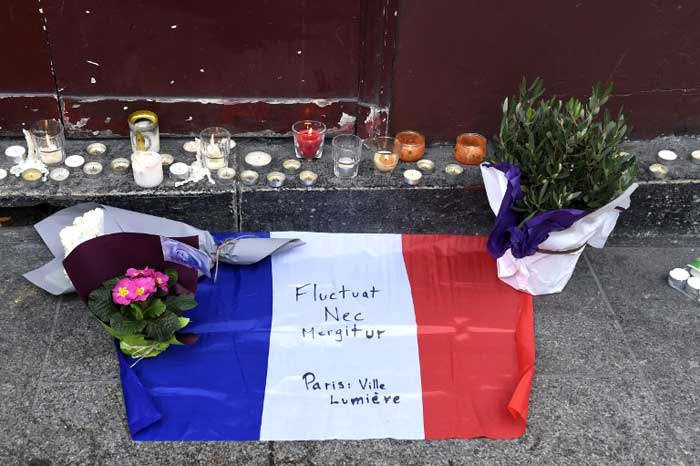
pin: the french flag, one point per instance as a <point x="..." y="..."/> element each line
<point x="351" y="336"/>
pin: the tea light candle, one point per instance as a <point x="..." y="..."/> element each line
<point x="3" y="174"/>
<point x="120" y="165"/>
<point x="453" y="169"/>
<point x="658" y="170"/>
<point x="412" y="177"/>
<point x="677" y="278"/>
<point x="51" y="154"/>
<point x="166" y="159"/>
<point x="695" y="156"/>
<point x="258" y="159"/>
<point x="470" y="148"/>
<point x="385" y="161"/>
<point x="74" y="161"/>
<point x="147" y="168"/>
<point x="179" y="171"/>
<point x="692" y="286"/>
<point x="92" y="168"/>
<point x="249" y="177"/>
<point x="308" y="177"/>
<point x="191" y="146"/>
<point x="15" y="153"/>
<point x="32" y="175"/>
<point x="275" y="179"/>
<point x="426" y="166"/>
<point x="665" y="156"/>
<point x="226" y="173"/>
<point x="291" y="165"/>
<point x="410" y="145"/>
<point x="59" y="174"/>
<point x="96" y="148"/>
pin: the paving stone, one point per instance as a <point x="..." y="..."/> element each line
<point x="15" y="409"/>
<point x="76" y="424"/>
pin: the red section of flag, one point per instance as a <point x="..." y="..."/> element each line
<point x="475" y="339"/>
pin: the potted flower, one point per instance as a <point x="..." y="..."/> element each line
<point x="557" y="180"/>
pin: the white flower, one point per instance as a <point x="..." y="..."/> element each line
<point x="86" y="227"/>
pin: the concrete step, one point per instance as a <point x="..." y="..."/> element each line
<point x="372" y="202"/>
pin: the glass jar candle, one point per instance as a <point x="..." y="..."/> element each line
<point x="214" y="147"/>
<point x="308" y="139"/>
<point x="470" y="149"/>
<point x="147" y="168"/>
<point x="410" y="146"/>
<point x="383" y="155"/>
<point x="49" y="141"/>
<point x="143" y="128"/>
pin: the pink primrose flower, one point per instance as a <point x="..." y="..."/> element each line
<point x="124" y="292"/>
<point x="162" y="281"/>
<point x="145" y="287"/>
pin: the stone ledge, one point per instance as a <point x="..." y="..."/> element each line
<point x="372" y="202"/>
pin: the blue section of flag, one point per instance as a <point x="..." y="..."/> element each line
<point x="215" y="389"/>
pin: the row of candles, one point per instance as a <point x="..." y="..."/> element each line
<point x="215" y="144"/>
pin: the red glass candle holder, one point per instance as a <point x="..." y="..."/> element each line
<point x="470" y="149"/>
<point x="410" y="146"/>
<point x="308" y="139"/>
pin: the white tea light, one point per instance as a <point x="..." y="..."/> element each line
<point x="32" y="176"/>
<point x="226" y="173"/>
<point x="3" y="174"/>
<point x="120" y="165"/>
<point x="308" y="177"/>
<point x="692" y="286"/>
<point x="426" y="166"/>
<point x="453" y="169"/>
<point x="167" y="159"/>
<point x="660" y="171"/>
<point x="191" y="146"/>
<point x="677" y="278"/>
<point x="96" y="148"/>
<point x="412" y="177"/>
<point x="16" y="153"/>
<point x="695" y="156"/>
<point x="59" y="174"/>
<point x="666" y="156"/>
<point x="258" y="159"/>
<point x="92" y="168"/>
<point x="291" y="165"/>
<point x="275" y="179"/>
<point x="249" y="177"/>
<point x="179" y="171"/>
<point x="74" y="161"/>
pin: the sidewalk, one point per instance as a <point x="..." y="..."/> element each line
<point x="617" y="378"/>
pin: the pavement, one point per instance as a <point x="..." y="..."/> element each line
<point x="617" y="378"/>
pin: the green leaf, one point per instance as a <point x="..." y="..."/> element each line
<point x="172" y="277"/>
<point x="180" y="303"/>
<point x="156" y="308"/>
<point x="184" y="321"/>
<point x="123" y="326"/>
<point x="163" y="327"/>
<point x="100" y="304"/>
<point x="138" y="346"/>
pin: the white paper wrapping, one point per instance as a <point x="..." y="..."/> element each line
<point x="544" y="273"/>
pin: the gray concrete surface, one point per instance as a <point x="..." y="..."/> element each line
<point x="617" y="379"/>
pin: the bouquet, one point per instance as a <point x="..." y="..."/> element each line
<point x="143" y="310"/>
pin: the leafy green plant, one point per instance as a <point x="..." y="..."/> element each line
<point x="142" y="310"/>
<point x="569" y="153"/>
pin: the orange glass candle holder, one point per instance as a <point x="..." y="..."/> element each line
<point x="470" y="148"/>
<point x="410" y="146"/>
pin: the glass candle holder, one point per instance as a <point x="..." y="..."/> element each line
<point x="470" y="149"/>
<point x="49" y="141"/>
<point x="347" y="153"/>
<point x="383" y="155"/>
<point x="410" y="146"/>
<point x="214" y="147"/>
<point x="147" y="168"/>
<point x="143" y="128"/>
<point x="308" y="139"/>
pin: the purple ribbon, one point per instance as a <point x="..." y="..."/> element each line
<point x="523" y="240"/>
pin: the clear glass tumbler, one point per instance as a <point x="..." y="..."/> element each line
<point x="215" y="147"/>
<point x="144" y="131"/>
<point x="347" y="153"/>
<point x="49" y="141"/>
<point x="383" y="152"/>
<point x="309" y="136"/>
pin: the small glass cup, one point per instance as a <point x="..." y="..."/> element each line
<point x="49" y="141"/>
<point x="470" y="149"/>
<point x="215" y="147"/>
<point x="410" y="146"/>
<point x="384" y="157"/>
<point x="144" y="131"/>
<point x="347" y="153"/>
<point x="308" y="139"/>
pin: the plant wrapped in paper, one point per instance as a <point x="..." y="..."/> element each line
<point x="142" y="310"/>
<point x="557" y="180"/>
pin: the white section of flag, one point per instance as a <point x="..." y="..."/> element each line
<point x="294" y="411"/>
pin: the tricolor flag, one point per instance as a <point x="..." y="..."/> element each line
<point x="351" y="336"/>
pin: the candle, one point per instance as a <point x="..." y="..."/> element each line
<point x="59" y="174"/>
<point x="308" y="177"/>
<point x="695" y="156"/>
<point x="249" y="177"/>
<point x="3" y="174"/>
<point x="16" y="154"/>
<point x="291" y="165"/>
<point x="147" y="168"/>
<point x="75" y="161"/>
<point x="308" y="139"/>
<point x="658" y="170"/>
<point x="49" y="140"/>
<point x="410" y="146"/>
<point x="179" y="171"/>
<point x="167" y="159"/>
<point x="692" y="286"/>
<point x="51" y="154"/>
<point x="215" y="144"/>
<point x="191" y="146"/>
<point x="257" y="159"/>
<point x="665" y="156"/>
<point x="385" y="161"/>
<point x="92" y="169"/>
<point x="470" y="149"/>
<point x="31" y="175"/>
<point x="120" y="165"/>
<point x="677" y="278"/>
<point x="226" y="173"/>
<point x="275" y="179"/>
<point x="412" y="177"/>
<point x="426" y="166"/>
<point x="144" y="130"/>
<point x="453" y="169"/>
<point x="96" y="148"/>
